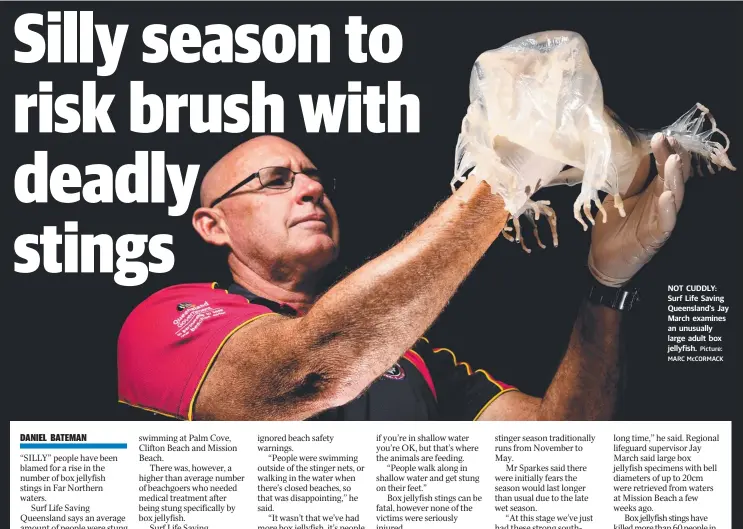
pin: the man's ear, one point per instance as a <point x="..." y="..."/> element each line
<point x="209" y="224"/>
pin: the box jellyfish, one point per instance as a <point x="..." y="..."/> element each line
<point x="537" y="106"/>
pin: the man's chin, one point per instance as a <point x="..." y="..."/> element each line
<point x="318" y="252"/>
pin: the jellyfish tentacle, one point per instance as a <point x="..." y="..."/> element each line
<point x="536" y="236"/>
<point x="519" y="238"/>
<point x="619" y="204"/>
<point x="599" y="205"/>
<point x="506" y="229"/>
<point x="587" y="211"/>
<point x="533" y="210"/>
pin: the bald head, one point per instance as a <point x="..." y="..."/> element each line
<point x="284" y="235"/>
<point x="245" y="159"/>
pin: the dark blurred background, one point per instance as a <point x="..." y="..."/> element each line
<point x="513" y="316"/>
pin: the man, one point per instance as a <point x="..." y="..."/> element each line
<point x="269" y="348"/>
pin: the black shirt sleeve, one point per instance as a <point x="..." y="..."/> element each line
<point x="462" y="392"/>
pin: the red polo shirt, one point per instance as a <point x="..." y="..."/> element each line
<point x="169" y="342"/>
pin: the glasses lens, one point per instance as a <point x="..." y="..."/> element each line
<point x="276" y="177"/>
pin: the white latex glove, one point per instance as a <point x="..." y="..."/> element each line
<point x="621" y="246"/>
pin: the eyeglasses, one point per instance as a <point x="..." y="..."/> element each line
<point x="279" y="178"/>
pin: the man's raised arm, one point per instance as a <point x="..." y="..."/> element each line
<point x="293" y="368"/>
<point x="585" y="384"/>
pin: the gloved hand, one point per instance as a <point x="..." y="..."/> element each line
<point x="621" y="246"/>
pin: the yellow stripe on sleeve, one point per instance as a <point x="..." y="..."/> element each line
<point x="488" y="403"/>
<point x="148" y="409"/>
<point x="214" y="357"/>
<point x="467" y="366"/>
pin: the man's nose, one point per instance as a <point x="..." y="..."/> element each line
<point x="307" y="189"/>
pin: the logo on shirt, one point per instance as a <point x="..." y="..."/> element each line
<point x="395" y="372"/>
<point x="192" y="317"/>
<point x="183" y="306"/>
